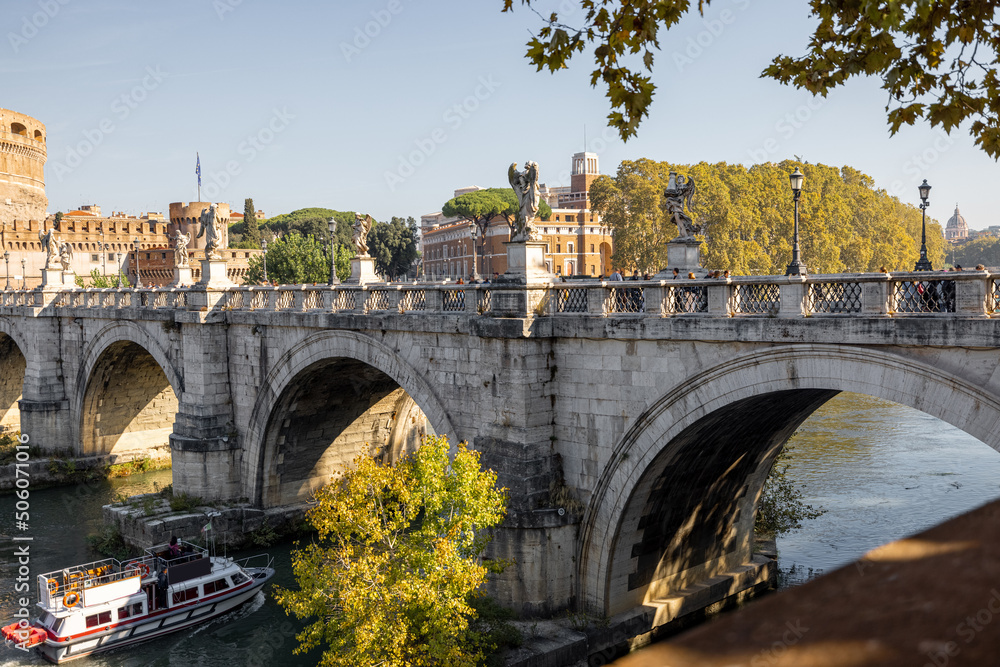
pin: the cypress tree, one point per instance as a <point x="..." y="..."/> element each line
<point x="251" y="232"/>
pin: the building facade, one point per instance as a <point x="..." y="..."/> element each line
<point x="956" y="230"/>
<point x="577" y="244"/>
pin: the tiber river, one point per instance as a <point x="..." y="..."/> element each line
<point x="880" y="470"/>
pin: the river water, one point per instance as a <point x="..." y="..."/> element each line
<point x="881" y="472"/>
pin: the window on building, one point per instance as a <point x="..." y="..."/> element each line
<point x="546" y="229"/>
<point x="591" y="247"/>
<point x="558" y="270"/>
<point x="570" y="218"/>
<point x="569" y="248"/>
<point x="593" y="270"/>
<point x="95" y="258"/>
<point x="558" y="248"/>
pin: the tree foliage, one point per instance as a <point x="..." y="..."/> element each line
<point x="482" y="207"/>
<point x="101" y="281"/>
<point x="393" y="246"/>
<point x="397" y="561"/>
<point x="936" y="60"/>
<point x="293" y="259"/>
<point x="780" y="507"/>
<point x="983" y="250"/>
<point x="747" y="214"/>
<point x="313" y="222"/>
<point x="251" y="230"/>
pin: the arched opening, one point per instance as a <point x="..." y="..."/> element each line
<point x="38" y="136"/>
<point x="129" y="406"/>
<point x="18" y="128"/>
<point x="674" y="507"/>
<point x="605" y="249"/>
<point x="12" y="365"/>
<point x="331" y="412"/>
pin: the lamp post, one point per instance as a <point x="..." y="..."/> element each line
<point x="475" y="232"/>
<point x="118" y="280"/>
<point x="6" y="261"/>
<point x="923" y="264"/>
<point x="138" y="280"/>
<point x="263" y="245"/>
<point x="332" y="226"/>
<point x="796" y="267"/>
<point x="104" y="253"/>
<point x="24" y="273"/>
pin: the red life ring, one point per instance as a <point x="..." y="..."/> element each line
<point x="136" y="565"/>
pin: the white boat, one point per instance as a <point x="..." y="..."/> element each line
<point x="105" y="604"/>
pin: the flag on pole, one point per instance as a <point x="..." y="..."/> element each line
<point x="207" y="527"/>
<point x="197" y="169"/>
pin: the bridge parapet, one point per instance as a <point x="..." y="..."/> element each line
<point x="961" y="294"/>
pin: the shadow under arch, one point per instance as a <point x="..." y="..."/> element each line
<point x="127" y="393"/>
<point x="373" y="388"/>
<point x="13" y="365"/>
<point x="675" y="504"/>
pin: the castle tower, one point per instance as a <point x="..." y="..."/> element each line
<point x="585" y="170"/>
<point x="22" y="165"/>
<point x="185" y="216"/>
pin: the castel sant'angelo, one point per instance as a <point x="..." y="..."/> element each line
<point x="107" y="244"/>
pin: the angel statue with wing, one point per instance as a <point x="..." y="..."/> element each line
<point x="678" y="193"/>
<point x="525" y="186"/>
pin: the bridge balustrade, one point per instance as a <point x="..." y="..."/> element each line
<point x="912" y="294"/>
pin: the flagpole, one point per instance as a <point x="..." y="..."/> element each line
<point x="197" y="170"/>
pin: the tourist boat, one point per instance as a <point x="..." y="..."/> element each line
<point x="106" y="604"/>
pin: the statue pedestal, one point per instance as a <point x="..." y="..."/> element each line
<point x="683" y="254"/>
<point x="69" y="278"/>
<point x="182" y="276"/>
<point x="362" y="271"/>
<point x="526" y="263"/>
<point x="52" y="278"/>
<point x="213" y="273"/>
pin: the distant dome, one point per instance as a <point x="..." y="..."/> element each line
<point x="956" y="229"/>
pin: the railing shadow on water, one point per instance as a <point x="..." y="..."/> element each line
<point x="937" y="293"/>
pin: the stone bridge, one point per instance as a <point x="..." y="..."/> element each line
<point x="634" y="423"/>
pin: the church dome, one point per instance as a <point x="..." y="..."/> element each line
<point x="956" y="229"/>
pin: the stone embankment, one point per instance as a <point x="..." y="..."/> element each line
<point x="46" y="472"/>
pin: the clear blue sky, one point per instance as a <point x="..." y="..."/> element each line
<point x="288" y="105"/>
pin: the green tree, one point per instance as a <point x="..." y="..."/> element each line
<point x="936" y="60"/>
<point x="984" y="250"/>
<point x="100" y="281"/>
<point x="746" y="218"/>
<point x="780" y="507"/>
<point x="292" y="259"/>
<point x="313" y="222"/>
<point x="251" y="231"/>
<point x="481" y="206"/>
<point x="397" y="559"/>
<point x="393" y="246"/>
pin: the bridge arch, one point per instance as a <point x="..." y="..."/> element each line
<point x="368" y="381"/>
<point x="127" y="392"/>
<point x="13" y="364"/>
<point x="675" y="504"/>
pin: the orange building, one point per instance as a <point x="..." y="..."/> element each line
<point x="577" y="244"/>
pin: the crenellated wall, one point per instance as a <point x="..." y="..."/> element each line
<point x="22" y="167"/>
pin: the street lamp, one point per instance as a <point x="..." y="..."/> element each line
<point x="24" y="273"/>
<point x="332" y="225"/>
<point x="118" y="280"/>
<point x="104" y="253"/>
<point x="6" y="261"/>
<point x="923" y="264"/>
<point x="796" y="268"/>
<point x="138" y="280"/>
<point x="474" y="231"/>
<point x="263" y="245"/>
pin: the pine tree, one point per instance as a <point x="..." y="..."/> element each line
<point x="251" y="232"/>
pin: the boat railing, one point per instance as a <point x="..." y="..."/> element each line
<point x="257" y="560"/>
<point x="161" y="558"/>
<point x="57" y="584"/>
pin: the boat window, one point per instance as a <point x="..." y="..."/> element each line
<point x="130" y="610"/>
<point x="239" y="578"/>
<point x="46" y="619"/>
<point x="185" y="595"/>
<point x="217" y="585"/>
<point x="99" y="619"/>
<point x="58" y="626"/>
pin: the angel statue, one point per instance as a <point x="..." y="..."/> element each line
<point x="50" y="244"/>
<point x="181" y="241"/>
<point x="678" y="193"/>
<point x="65" y="255"/>
<point x="525" y="185"/>
<point x="362" y="225"/>
<point x="214" y="239"/>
